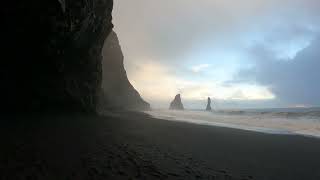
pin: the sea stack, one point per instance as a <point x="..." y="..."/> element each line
<point x="176" y="104"/>
<point x="209" y="105"/>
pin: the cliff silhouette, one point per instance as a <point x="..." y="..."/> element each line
<point x="117" y="90"/>
<point x="52" y="54"/>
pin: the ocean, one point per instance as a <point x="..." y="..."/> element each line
<point x="290" y="121"/>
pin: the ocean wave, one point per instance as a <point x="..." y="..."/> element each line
<point x="299" y="122"/>
<point x="270" y="113"/>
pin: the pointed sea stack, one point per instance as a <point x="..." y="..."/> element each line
<point x="176" y="104"/>
<point x="209" y="105"/>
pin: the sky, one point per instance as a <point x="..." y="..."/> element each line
<point x="243" y="54"/>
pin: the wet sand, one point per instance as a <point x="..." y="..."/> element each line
<point x="126" y="145"/>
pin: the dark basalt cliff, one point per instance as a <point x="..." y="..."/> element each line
<point x="51" y="54"/>
<point x="176" y="104"/>
<point x="117" y="90"/>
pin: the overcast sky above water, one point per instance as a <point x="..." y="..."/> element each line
<point x="243" y="54"/>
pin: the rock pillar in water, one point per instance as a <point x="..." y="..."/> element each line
<point x="176" y="104"/>
<point x="209" y="105"/>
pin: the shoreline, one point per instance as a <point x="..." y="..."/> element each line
<point x="237" y="125"/>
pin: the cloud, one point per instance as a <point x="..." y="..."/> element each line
<point x="169" y="28"/>
<point x="200" y="67"/>
<point x="295" y="81"/>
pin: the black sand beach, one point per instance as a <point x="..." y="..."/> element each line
<point x="136" y="146"/>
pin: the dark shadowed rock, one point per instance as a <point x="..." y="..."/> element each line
<point x="208" y="108"/>
<point x="118" y="91"/>
<point x="176" y="104"/>
<point x="51" y="54"/>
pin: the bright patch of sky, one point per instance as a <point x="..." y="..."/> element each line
<point x="159" y="84"/>
<point x="200" y="67"/>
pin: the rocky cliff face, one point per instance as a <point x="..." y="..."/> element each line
<point x="51" y="54"/>
<point x="118" y="91"/>
<point x="176" y="104"/>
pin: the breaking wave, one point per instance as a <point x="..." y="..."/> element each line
<point x="304" y="121"/>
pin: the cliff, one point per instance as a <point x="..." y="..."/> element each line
<point x="176" y="104"/>
<point x="51" y="54"/>
<point x="118" y="91"/>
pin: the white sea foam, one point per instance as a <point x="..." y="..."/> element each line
<point x="276" y="121"/>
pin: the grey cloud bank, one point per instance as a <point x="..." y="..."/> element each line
<point x="294" y="81"/>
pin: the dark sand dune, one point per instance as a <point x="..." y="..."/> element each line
<point x="139" y="147"/>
